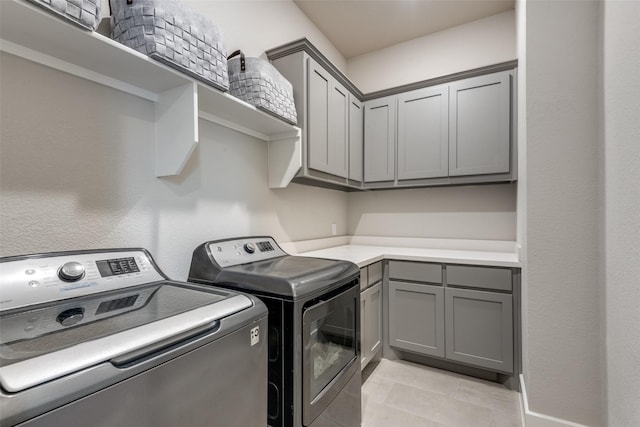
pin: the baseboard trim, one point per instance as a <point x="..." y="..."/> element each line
<point x="535" y="419"/>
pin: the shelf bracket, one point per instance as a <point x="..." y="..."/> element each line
<point x="285" y="158"/>
<point x="176" y="128"/>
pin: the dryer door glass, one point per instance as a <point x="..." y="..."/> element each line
<point x="330" y="346"/>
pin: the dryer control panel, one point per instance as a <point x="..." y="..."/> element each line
<point x="38" y="279"/>
<point x="227" y="253"/>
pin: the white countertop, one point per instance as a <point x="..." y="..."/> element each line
<point x="366" y="254"/>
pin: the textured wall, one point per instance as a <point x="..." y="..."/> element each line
<point x="622" y="224"/>
<point x="258" y="25"/>
<point x="466" y="212"/>
<point x="77" y="171"/>
<point x="521" y="199"/>
<point x="483" y="42"/>
<point x="563" y="199"/>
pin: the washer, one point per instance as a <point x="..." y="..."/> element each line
<point x="104" y="338"/>
<point x="314" y="326"/>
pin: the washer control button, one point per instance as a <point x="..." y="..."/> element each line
<point x="71" y="271"/>
<point x="249" y="248"/>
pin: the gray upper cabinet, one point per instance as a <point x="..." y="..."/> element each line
<point x="332" y="127"/>
<point x="423" y="133"/>
<point x="356" y="139"/>
<point x="318" y="88"/>
<point x="339" y="130"/>
<point x="451" y="130"/>
<point x="479" y="328"/>
<point x="379" y="139"/>
<point x="453" y="133"/>
<point x="480" y="125"/>
<point x="327" y="123"/>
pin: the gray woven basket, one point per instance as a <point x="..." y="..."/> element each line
<point x="169" y="32"/>
<point x="261" y="85"/>
<point x="85" y="13"/>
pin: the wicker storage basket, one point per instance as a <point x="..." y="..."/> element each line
<point x="171" y="33"/>
<point x="257" y="82"/>
<point x="85" y="13"/>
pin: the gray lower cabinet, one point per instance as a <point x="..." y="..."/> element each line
<point x="371" y="322"/>
<point x="380" y="139"/>
<point x="431" y="314"/>
<point x="480" y="125"/>
<point x="423" y="133"/>
<point x="479" y="328"/>
<point x="416" y="317"/>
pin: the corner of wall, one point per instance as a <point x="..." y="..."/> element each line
<point x="535" y="419"/>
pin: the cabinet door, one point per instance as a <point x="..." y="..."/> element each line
<point x="423" y="133"/>
<point x="356" y="139"/>
<point x="379" y="139"/>
<point x="319" y="89"/>
<point x="479" y="126"/>
<point x="370" y="322"/>
<point x="337" y="154"/>
<point x="373" y="332"/>
<point x="416" y="318"/>
<point x="328" y="126"/>
<point x="363" y="330"/>
<point x="479" y="328"/>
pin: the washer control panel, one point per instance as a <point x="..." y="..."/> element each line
<point x="40" y="279"/>
<point x="228" y="253"/>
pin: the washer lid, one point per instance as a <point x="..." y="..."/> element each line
<point x="35" y="347"/>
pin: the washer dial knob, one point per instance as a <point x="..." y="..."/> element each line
<point x="249" y="248"/>
<point x="71" y="317"/>
<point x="71" y="271"/>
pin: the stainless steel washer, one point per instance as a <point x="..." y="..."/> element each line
<point x="104" y="338"/>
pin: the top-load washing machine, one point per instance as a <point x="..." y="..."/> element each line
<point x="104" y="338"/>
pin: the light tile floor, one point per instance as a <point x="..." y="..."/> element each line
<point x="403" y="394"/>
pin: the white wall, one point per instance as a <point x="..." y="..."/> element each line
<point x="521" y="199"/>
<point x="465" y="212"/>
<point x="77" y="171"/>
<point x="563" y="197"/>
<point x="258" y="25"/>
<point x="78" y="161"/>
<point x="474" y="212"/>
<point x="483" y="42"/>
<point x="622" y="218"/>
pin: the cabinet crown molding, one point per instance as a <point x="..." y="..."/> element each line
<point x="304" y="45"/>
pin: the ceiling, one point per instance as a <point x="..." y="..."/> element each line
<point x="360" y="26"/>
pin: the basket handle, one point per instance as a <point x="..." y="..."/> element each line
<point x="242" y="63"/>
<point x="111" y="9"/>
